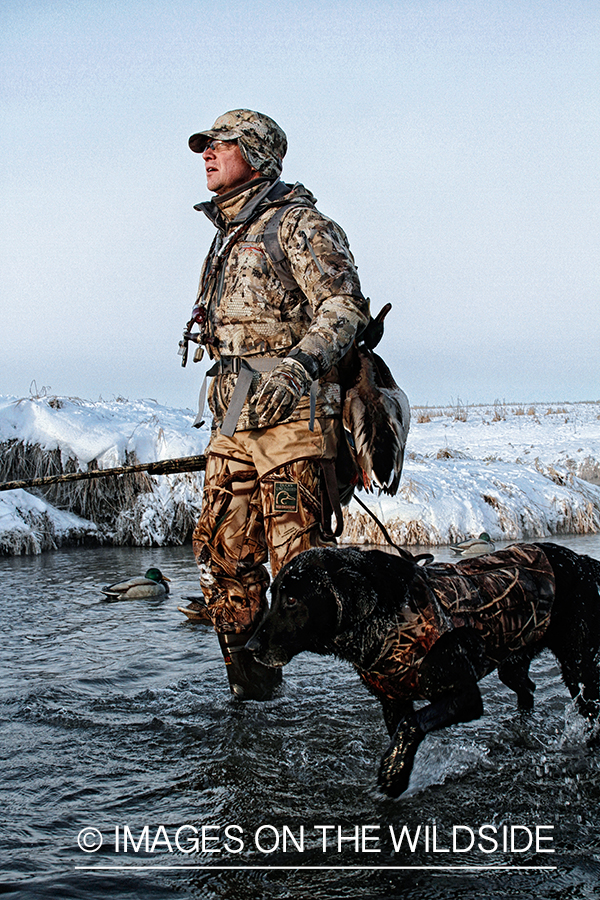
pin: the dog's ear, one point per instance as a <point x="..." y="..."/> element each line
<point x="357" y="603"/>
<point x="355" y="598"/>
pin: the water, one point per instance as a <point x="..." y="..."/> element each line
<point x="116" y="715"/>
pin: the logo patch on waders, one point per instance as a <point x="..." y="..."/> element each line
<point x="285" y="496"/>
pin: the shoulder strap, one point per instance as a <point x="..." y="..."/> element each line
<point x="372" y="332"/>
<point x="275" y="251"/>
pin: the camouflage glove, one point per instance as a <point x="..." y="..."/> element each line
<point x="280" y="394"/>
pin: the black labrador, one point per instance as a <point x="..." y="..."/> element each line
<point x="431" y="632"/>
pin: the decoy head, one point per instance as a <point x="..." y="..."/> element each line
<point x="155" y="574"/>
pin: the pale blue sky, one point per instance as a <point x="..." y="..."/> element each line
<point x="457" y="143"/>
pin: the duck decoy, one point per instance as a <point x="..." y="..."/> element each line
<point x="474" y="546"/>
<point x="150" y="586"/>
<point x="197" y="611"/>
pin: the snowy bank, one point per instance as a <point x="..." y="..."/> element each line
<point x="50" y="436"/>
<point x="30" y="525"/>
<point x="517" y="472"/>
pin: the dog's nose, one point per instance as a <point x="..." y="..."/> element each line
<point x="253" y="645"/>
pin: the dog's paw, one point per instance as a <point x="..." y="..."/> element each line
<point x="397" y="762"/>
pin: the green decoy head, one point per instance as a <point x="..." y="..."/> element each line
<point x="155" y="574"/>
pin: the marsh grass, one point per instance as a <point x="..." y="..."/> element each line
<point x="98" y="500"/>
<point x="134" y="509"/>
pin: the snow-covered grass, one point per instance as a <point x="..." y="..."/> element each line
<point x="30" y="525"/>
<point x="517" y="471"/>
<point x="49" y="435"/>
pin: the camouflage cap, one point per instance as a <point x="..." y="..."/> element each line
<point x="262" y="142"/>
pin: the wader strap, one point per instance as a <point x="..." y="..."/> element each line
<point x="245" y="373"/>
<point x="238" y="398"/>
<point x="314" y="390"/>
<point x="331" y="500"/>
<point x="199" y="420"/>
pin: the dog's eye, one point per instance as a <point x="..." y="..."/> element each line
<point x="291" y="601"/>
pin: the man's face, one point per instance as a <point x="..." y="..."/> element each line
<point x="225" y="167"/>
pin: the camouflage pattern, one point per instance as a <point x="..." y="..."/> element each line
<point x="262" y="142"/>
<point x="506" y="597"/>
<point x="262" y="495"/>
<point x="288" y="383"/>
<point x="256" y="506"/>
<point x="248" y="312"/>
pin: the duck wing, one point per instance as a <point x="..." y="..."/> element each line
<point x="134" y="587"/>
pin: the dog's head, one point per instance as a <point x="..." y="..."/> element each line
<point x="316" y="598"/>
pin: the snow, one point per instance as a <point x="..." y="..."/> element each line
<point x="28" y="524"/>
<point x="105" y="434"/>
<point x="104" y="431"/>
<point x="517" y="472"/>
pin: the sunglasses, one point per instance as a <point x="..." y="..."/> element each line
<point x="218" y="146"/>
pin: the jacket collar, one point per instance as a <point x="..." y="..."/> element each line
<point x="239" y="205"/>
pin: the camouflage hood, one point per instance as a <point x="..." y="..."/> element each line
<point x="262" y="142"/>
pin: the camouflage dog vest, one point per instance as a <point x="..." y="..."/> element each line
<point x="505" y="597"/>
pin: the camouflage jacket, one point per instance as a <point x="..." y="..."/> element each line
<point x="506" y="597"/>
<point x="247" y="312"/>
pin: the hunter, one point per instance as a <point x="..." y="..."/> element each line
<point x="278" y="306"/>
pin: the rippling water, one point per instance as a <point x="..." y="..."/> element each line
<point x="115" y="715"/>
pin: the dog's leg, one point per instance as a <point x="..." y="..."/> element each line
<point x="579" y="665"/>
<point x="574" y="632"/>
<point x="514" y="673"/>
<point x="397" y="763"/>
<point x="447" y="678"/>
<point x="394" y="711"/>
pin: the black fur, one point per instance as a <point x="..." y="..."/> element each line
<point x="341" y="602"/>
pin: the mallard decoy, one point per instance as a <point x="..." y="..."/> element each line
<point x="147" y="587"/>
<point x="197" y="611"/>
<point x="474" y="546"/>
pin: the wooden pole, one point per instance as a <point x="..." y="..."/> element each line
<point x="164" y="467"/>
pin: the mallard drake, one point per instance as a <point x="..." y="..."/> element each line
<point x="474" y="546"/>
<point x="147" y="587"/>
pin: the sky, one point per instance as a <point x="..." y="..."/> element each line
<point x="457" y="143"/>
